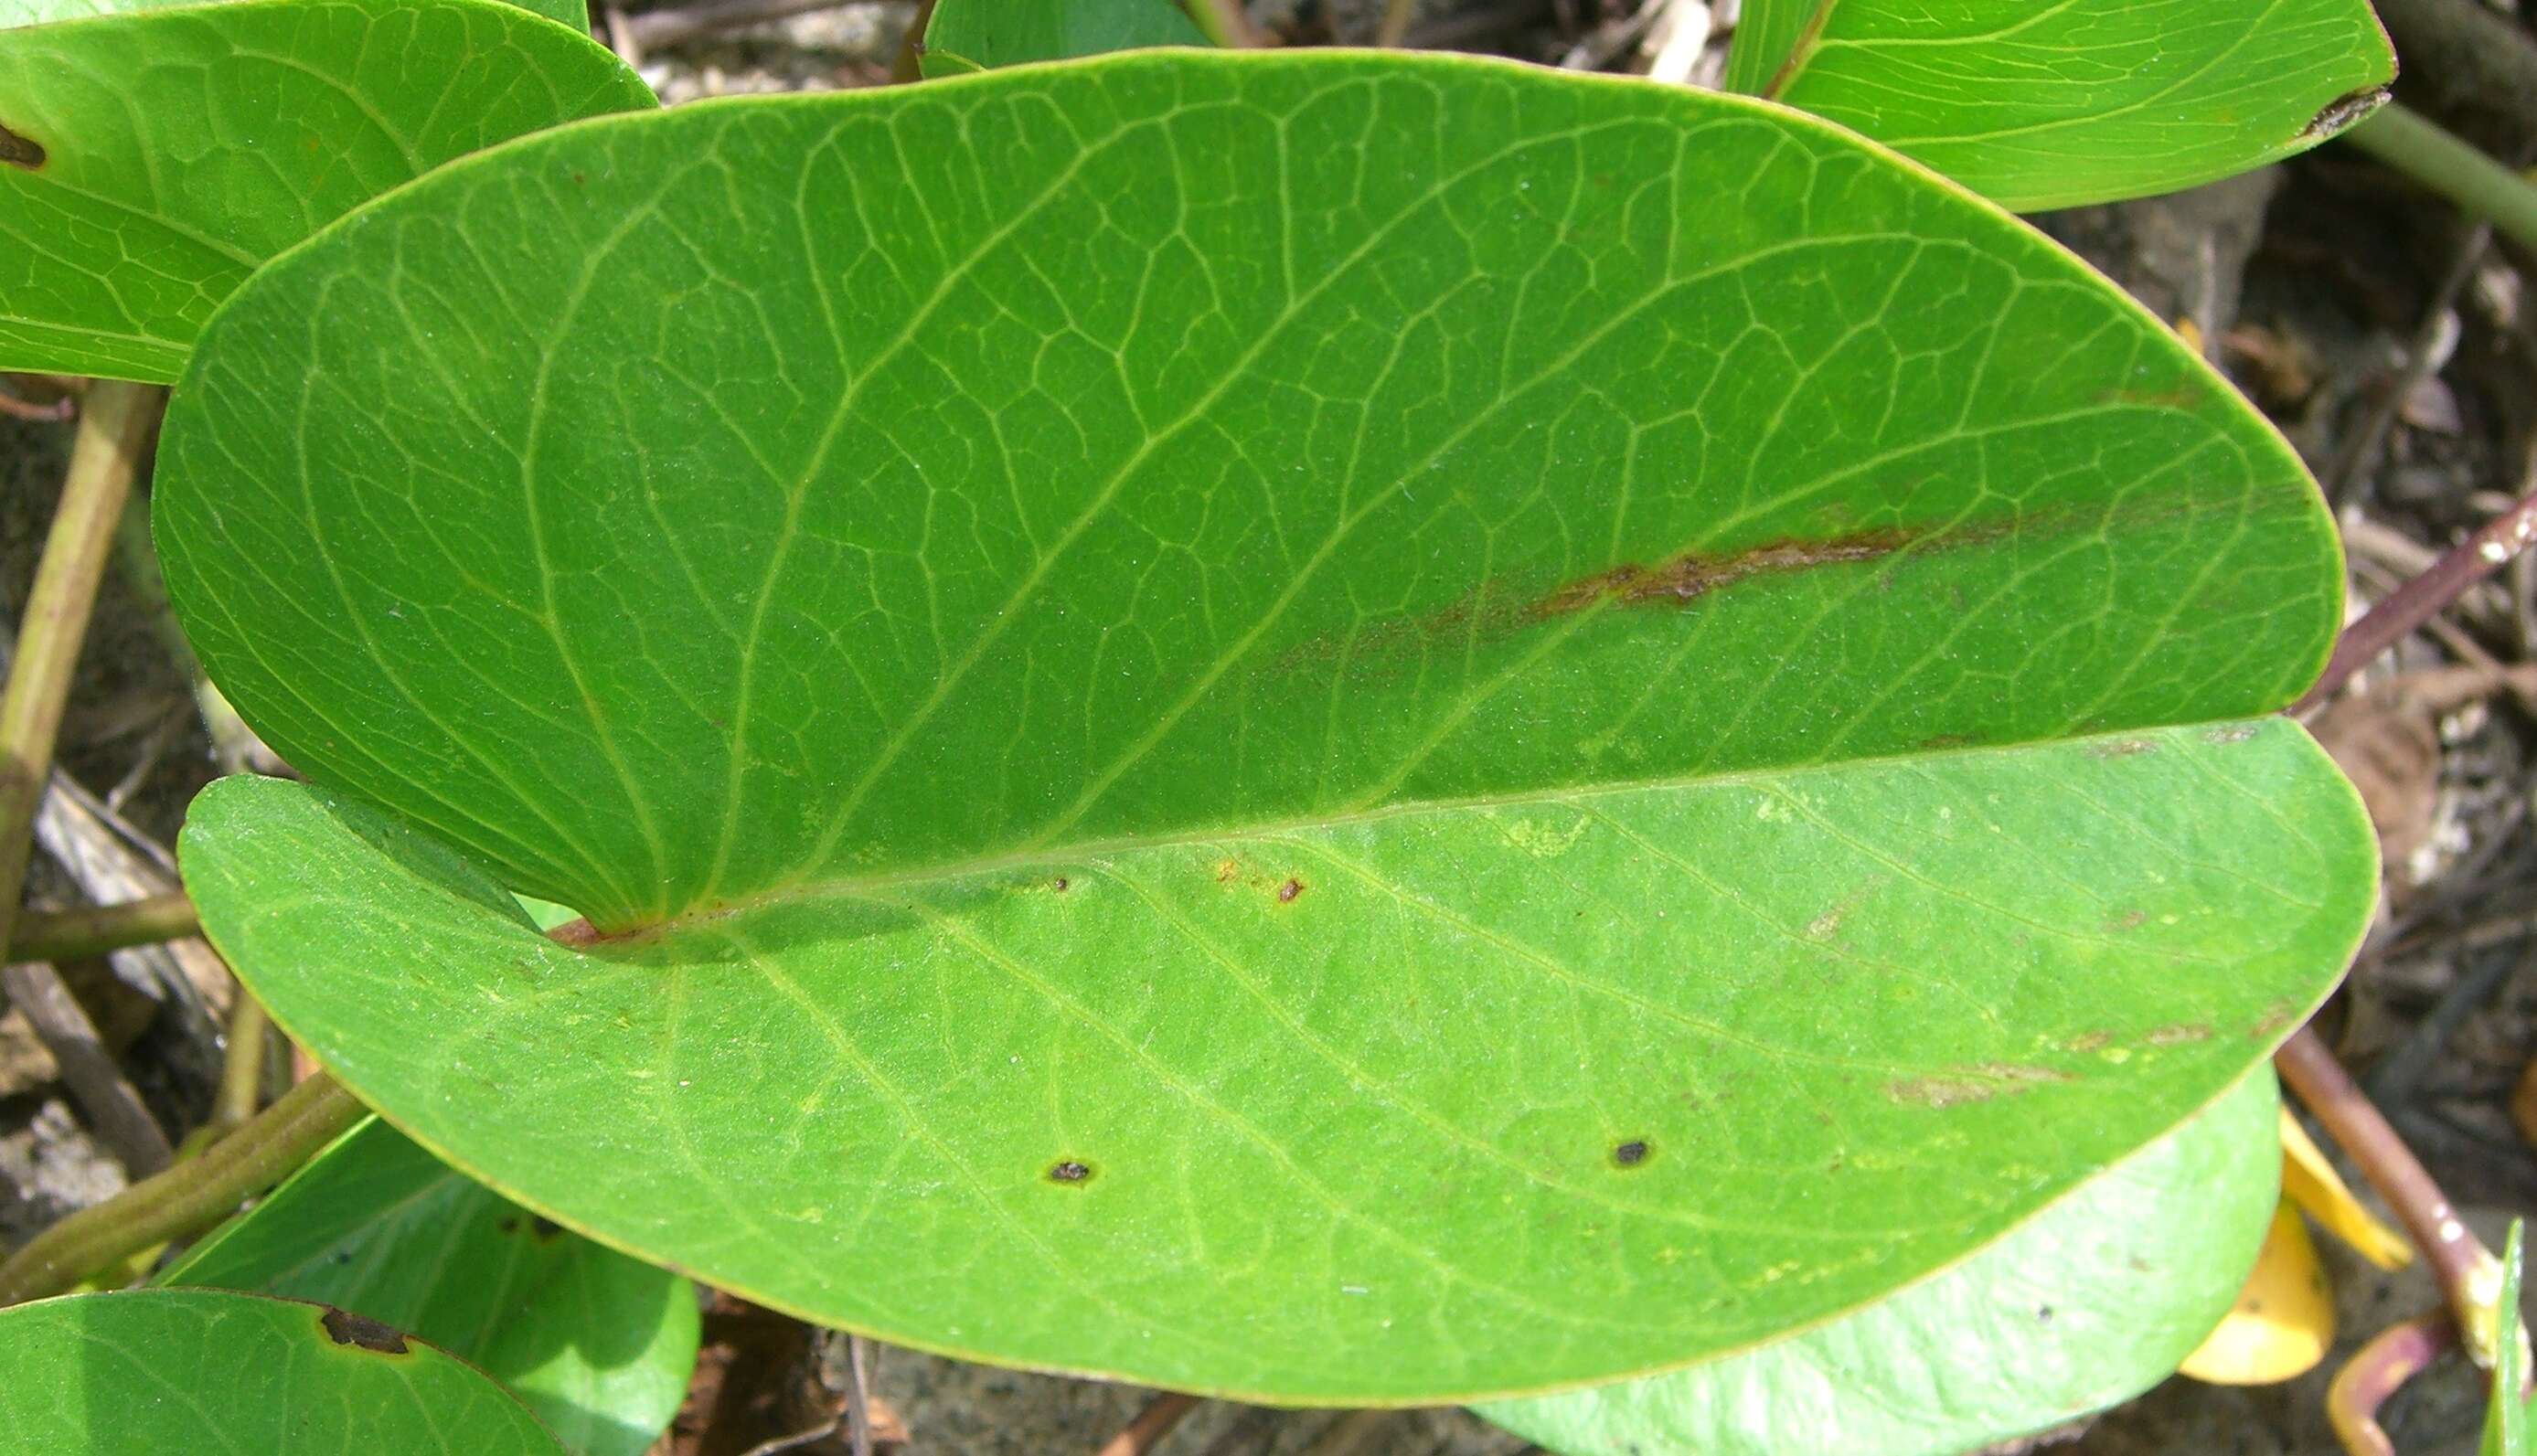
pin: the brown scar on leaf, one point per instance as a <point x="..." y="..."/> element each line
<point x="1287" y="891"/>
<point x="347" y="1328"/>
<point x="2087" y="1041"/>
<point x="1695" y="574"/>
<point x="2277" y="1016"/>
<point x="2339" y="114"/>
<point x="1227" y="871"/>
<point x="2130" y="919"/>
<point x="2181" y="1034"/>
<point x="1973" y="1085"/>
<point x="21" y="151"/>
<point x="2123" y="748"/>
<point x="1069" y="1172"/>
<point x="575" y="933"/>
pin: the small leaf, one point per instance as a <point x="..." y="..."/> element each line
<point x="1347" y="772"/>
<point x="205" y="1369"/>
<point x="134" y="195"/>
<point x="981" y="34"/>
<point x="2089" y="1303"/>
<point x="600" y="1346"/>
<point x="2507" y="1418"/>
<point x="2047" y="105"/>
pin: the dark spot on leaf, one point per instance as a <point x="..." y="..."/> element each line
<point x="1948" y="740"/>
<point x="1069" y="1172"/>
<point x="509" y="1226"/>
<point x="545" y="1228"/>
<point x="2341" y="112"/>
<point x="1287" y="891"/>
<point x="21" y="151"/>
<point x="1631" y="1154"/>
<point x="1063" y="883"/>
<point x="347" y="1328"/>
<point x="2043" y="1312"/>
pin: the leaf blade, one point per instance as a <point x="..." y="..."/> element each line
<point x="140" y="196"/>
<point x="982" y="35"/>
<point x="163" y="1369"/>
<point x="2094" y="100"/>
<point x="2059" y="1319"/>
<point x="376" y="1226"/>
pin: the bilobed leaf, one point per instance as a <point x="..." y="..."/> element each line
<point x="599" y="1345"/>
<point x="2038" y="104"/>
<point x="980" y="34"/>
<point x="149" y="161"/>
<point x="1345" y="727"/>
<point x="2089" y="1303"/>
<point x="210" y="1370"/>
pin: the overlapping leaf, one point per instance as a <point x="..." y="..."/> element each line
<point x="2045" y="103"/>
<point x="2090" y="1302"/>
<point x="209" y="1370"/>
<point x="600" y="1346"/>
<point x="1346" y="728"/>
<point x="149" y="161"/>
<point x="979" y="34"/>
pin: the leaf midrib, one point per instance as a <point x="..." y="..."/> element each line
<point x="867" y="886"/>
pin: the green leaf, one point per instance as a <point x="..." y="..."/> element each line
<point x="135" y="196"/>
<point x="981" y="34"/>
<point x="204" y="1370"/>
<point x="572" y="13"/>
<point x="2047" y="105"/>
<point x="2506" y="1424"/>
<point x="2091" y="1302"/>
<point x="600" y="1346"/>
<point x="1314" y="743"/>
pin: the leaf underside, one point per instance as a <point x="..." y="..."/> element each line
<point x="599" y="1346"/>
<point x="149" y="161"/>
<point x="1296" y="724"/>
<point x="2088" y="1304"/>
<point x="2049" y="105"/>
<point x="207" y="1370"/>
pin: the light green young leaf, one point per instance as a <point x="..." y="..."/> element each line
<point x="151" y="161"/>
<point x="981" y="34"/>
<point x="1299" y="725"/>
<point x="2506" y="1423"/>
<point x="2040" y="104"/>
<point x="600" y="1346"/>
<point x="209" y="1370"/>
<point x="2089" y="1303"/>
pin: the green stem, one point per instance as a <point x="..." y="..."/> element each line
<point x="186" y="1198"/>
<point x="116" y="422"/>
<point x="2432" y="156"/>
<point x="243" y="1069"/>
<point x="85" y="933"/>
